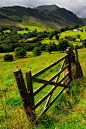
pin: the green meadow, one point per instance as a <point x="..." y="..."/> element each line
<point x="74" y="34"/>
<point x="68" y="111"/>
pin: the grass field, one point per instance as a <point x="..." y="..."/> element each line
<point x="69" y="110"/>
<point x="74" y="34"/>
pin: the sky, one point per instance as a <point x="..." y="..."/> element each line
<point x="78" y="7"/>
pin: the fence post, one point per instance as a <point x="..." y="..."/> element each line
<point x="77" y="63"/>
<point x="23" y="92"/>
<point x="21" y="86"/>
<point x="30" y="95"/>
<point x="68" y="51"/>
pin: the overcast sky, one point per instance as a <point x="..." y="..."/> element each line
<point x="77" y="6"/>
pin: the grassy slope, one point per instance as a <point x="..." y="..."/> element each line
<point x="31" y="23"/>
<point x="69" y="110"/>
<point x="68" y="33"/>
<point x="74" y="34"/>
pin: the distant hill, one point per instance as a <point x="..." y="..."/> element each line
<point x="51" y="15"/>
<point x="47" y="7"/>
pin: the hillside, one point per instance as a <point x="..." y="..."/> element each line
<point x="47" y="7"/>
<point x="68" y="112"/>
<point x="49" y="15"/>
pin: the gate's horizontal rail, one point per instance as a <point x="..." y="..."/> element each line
<point x="50" y="104"/>
<point x="43" y="86"/>
<point x="56" y="85"/>
<point x="49" y="82"/>
<point x="48" y="67"/>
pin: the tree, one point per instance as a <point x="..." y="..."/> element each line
<point x="57" y="37"/>
<point x="38" y="43"/>
<point x="26" y="28"/>
<point x="43" y="47"/>
<point x="50" y="36"/>
<point x="1" y="49"/>
<point x="78" y="36"/>
<point x="49" y="48"/>
<point x="84" y="43"/>
<point x="63" y="44"/>
<point x="20" y="52"/>
<point x="8" y="57"/>
<point x="37" y="51"/>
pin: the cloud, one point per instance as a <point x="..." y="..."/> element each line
<point x="77" y="6"/>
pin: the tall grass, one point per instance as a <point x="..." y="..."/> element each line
<point x="67" y="112"/>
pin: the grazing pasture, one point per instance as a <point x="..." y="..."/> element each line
<point x="68" y="111"/>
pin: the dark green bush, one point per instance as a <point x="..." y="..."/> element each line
<point x="37" y="51"/>
<point x="63" y="44"/>
<point x="84" y="43"/>
<point x="8" y="57"/>
<point x="20" y="52"/>
<point x="49" y="48"/>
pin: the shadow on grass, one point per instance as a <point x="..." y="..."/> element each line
<point x="64" y="104"/>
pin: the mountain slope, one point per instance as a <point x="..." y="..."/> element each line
<point x="47" y="7"/>
<point x="49" y="14"/>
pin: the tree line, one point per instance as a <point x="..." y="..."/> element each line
<point x="11" y="40"/>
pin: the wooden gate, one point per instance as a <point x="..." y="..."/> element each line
<point x="28" y="95"/>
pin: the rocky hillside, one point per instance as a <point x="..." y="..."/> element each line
<point x="49" y="14"/>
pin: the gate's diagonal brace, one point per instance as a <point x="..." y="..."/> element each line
<point x="51" y="83"/>
<point x="48" y="100"/>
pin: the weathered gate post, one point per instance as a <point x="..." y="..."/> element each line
<point x="79" y="72"/>
<point x="77" y="62"/>
<point x="68" y="61"/>
<point x="30" y="95"/>
<point x="26" y="99"/>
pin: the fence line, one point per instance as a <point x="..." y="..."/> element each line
<point x="70" y="62"/>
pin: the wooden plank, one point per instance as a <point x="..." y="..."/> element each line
<point x="48" y="100"/>
<point x="43" y="86"/>
<point x="40" y="101"/>
<point x="50" y="92"/>
<point x="62" y="69"/>
<point x="51" y="103"/>
<point x="49" y="82"/>
<point x="64" y="77"/>
<point x="48" y="67"/>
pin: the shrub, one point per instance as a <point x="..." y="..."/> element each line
<point x="57" y="37"/>
<point x="79" y="46"/>
<point x="37" y="51"/>
<point x="43" y="47"/>
<point x="63" y="44"/>
<point x="8" y="57"/>
<point x="38" y="43"/>
<point x="20" y="52"/>
<point x="84" y="43"/>
<point x="49" y="48"/>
